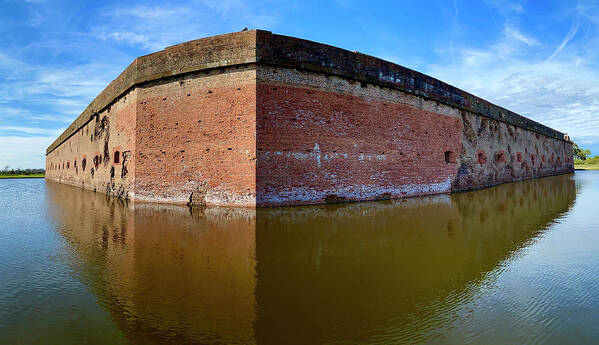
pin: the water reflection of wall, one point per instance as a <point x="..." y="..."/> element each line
<point x="163" y="273"/>
<point x="390" y="272"/>
<point x="367" y="272"/>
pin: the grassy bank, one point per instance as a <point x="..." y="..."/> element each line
<point x="21" y="176"/>
<point x="588" y="164"/>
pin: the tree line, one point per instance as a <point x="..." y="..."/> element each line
<point x="583" y="157"/>
<point x="18" y="171"/>
<point x="579" y="153"/>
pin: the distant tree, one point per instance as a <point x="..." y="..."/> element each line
<point x="580" y="153"/>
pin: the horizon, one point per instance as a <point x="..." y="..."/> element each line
<point x="51" y="69"/>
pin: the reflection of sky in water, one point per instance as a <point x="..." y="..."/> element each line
<point x="510" y="264"/>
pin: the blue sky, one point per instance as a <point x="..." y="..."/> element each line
<point x="537" y="58"/>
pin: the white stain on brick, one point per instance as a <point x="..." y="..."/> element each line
<point x="317" y="154"/>
<point x="302" y="194"/>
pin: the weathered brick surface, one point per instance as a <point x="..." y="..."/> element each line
<point x="207" y="53"/>
<point x="327" y="139"/>
<point x="196" y="139"/>
<point x="87" y="158"/>
<point x="291" y="52"/>
<point x="253" y="118"/>
<point x="495" y="152"/>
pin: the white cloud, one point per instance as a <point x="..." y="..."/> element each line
<point x="517" y="35"/>
<point x="561" y="92"/>
<point x="156" y="27"/>
<point x="153" y="13"/>
<point x="24" y="152"/>
<point x="35" y="100"/>
<point x="571" y="33"/>
<point x="31" y="130"/>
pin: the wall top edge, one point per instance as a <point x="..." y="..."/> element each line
<point x="265" y="48"/>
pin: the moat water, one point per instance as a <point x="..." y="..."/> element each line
<point x="513" y="264"/>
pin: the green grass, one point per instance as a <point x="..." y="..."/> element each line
<point x="588" y="164"/>
<point x="22" y="176"/>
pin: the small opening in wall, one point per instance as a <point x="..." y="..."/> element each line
<point x="482" y="158"/>
<point x="449" y="157"/>
<point x="83" y="164"/>
<point x="117" y="157"/>
<point x="500" y="157"/>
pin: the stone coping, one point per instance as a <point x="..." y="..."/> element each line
<point x="265" y="48"/>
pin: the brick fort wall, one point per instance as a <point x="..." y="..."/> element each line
<point x="257" y="119"/>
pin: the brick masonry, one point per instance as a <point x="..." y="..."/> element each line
<point x="257" y="119"/>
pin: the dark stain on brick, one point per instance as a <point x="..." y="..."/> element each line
<point x="384" y="196"/>
<point x="509" y="170"/>
<point x="468" y="130"/>
<point x="106" y="152"/>
<point x="101" y="127"/>
<point x="124" y="171"/>
<point x="484" y="123"/>
<point x="334" y="198"/>
<point x="198" y="196"/>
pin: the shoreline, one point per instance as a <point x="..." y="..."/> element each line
<point x="21" y="176"/>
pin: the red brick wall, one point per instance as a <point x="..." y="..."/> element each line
<point x="113" y="129"/>
<point x="248" y="136"/>
<point x="508" y="153"/>
<point x="212" y="121"/>
<point x="196" y="135"/>
<point x="317" y="144"/>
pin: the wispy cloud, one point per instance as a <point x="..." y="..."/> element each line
<point x="561" y="91"/>
<point x="507" y="6"/>
<point x="571" y="33"/>
<point x="151" y="12"/>
<point x="156" y="27"/>
<point x="31" y="130"/>
<point x="519" y="36"/>
<point x="23" y="152"/>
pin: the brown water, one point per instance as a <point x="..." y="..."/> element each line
<point x="517" y="263"/>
